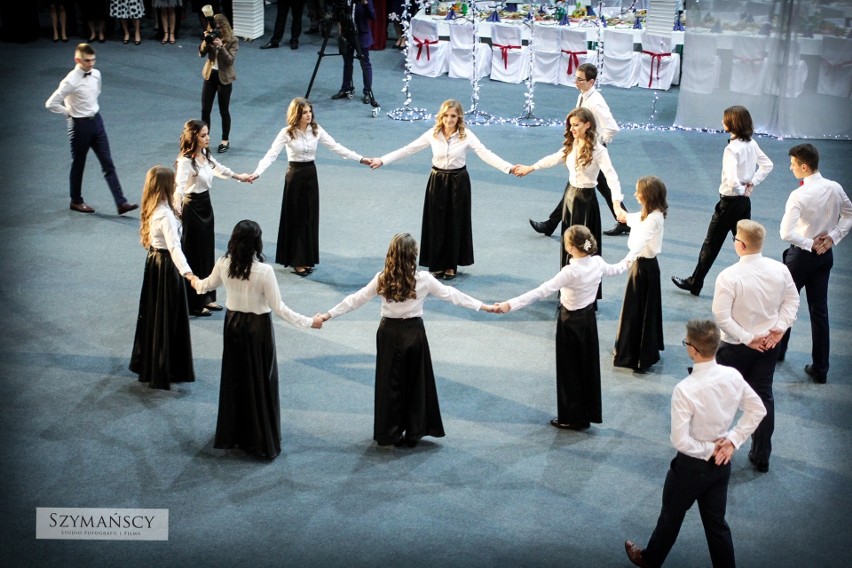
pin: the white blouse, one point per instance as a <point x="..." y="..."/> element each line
<point x="646" y="236"/>
<point x="165" y="234"/>
<point x="303" y="147"/>
<point x="425" y="284"/>
<point x="449" y="154"/>
<point x="588" y="176"/>
<point x="187" y="181"/>
<point x="577" y="283"/>
<point x="742" y="163"/>
<point x="257" y="295"/>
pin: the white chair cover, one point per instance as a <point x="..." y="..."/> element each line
<point x="510" y="61"/>
<point x="791" y="71"/>
<point x="835" y="70"/>
<point x="426" y="54"/>
<point x="460" y="59"/>
<point x="547" y="53"/>
<point x="701" y="64"/>
<point x="659" y="65"/>
<point x="620" y="62"/>
<point x="574" y="52"/>
<point x="748" y="64"/>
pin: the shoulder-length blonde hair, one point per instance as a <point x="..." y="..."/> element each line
<point x="584" y="157"/>
<point x="446" y="106"/>
<point x="159" y="187"/>
<point x="294" y="115"/>
<point x="396" y="282"/>
<point x="225" y="27"/>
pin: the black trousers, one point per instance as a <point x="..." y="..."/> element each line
<point x="690" y="480"/>
<point x="209" y="90"/>
<point x="729" y="211"/>
<point x="758" y="370"/>
<point x="347" y="50"/>
<point x="811" y="271"/>
<point x="85" y="134"/>
<point x="284" y="7"/>
<point x="603" y="189"/>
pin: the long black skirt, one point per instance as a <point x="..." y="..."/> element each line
<point x="580" y="207"/>
<point x="578" y="366"/>
<point x="446" y="238"/>
<point x="199" y="245"/>
<point x="406" y="402"/>
<point x="298" y="229"/>
<point x="249" y="415"/>
<point x="162" y="350"/>
<point x="640" y="330"/>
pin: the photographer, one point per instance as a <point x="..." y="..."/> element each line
<point x="355" y="27"/>
<point x="220" y="46"/>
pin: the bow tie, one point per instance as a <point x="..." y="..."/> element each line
<point x="87" y="73"/>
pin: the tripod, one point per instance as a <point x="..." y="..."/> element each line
<point x="343" y="13"/>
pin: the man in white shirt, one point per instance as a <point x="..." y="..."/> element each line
<point x="817" y="216"/>
<point x="77" y="99"/>
<point x="703" y="408"/>
<point x="590" y="98"/>
<point x="754" y="303"/>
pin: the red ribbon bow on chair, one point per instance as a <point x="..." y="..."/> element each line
<point x="573" y="60"/>
<point x="659" y="59"/>
<point x="504" y="50"/>
<point x="420" y="43"/>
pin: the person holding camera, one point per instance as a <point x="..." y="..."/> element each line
<point x="220" y="46"/>
<point x="357" y="29"/>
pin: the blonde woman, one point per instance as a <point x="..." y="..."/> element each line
<point x="446" y="239"/>
<point x="220" y="46"/>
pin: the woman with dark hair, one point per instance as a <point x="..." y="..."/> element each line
<point x="298" y="230"/>
<point x="162" y="350"/>
<point x="744" y="165"/>
<point x="219" y="74"/>
<point x="249" y="415"/>
<point x="578" y="365"/>
<point x="585" y="157"/>
<point x="447" y="233"/>
<point x="195" y="172"/>
<point x="406" y="402"/>
<point x="640" y="328"/>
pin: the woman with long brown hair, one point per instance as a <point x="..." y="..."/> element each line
<point x="162" y="350"/>
<point x="298" y="231"/>
<point x="406" y="402"/>
<point x="219" y="74"/>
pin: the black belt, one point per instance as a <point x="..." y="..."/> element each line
<point x="731" y="197"/>
<point x="85" y="117"/>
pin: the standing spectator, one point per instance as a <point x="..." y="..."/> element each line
<point x="817" y="216"/>
<point x="128" y="10"/>
<point x="284" y="7"/>
<point x="58" y="18"/>
<point x="77" y="99"/>
<point x="364" y="12"/>
<point x="167" y="18"/>
<point x="94" y="12"/>
<point x="220" y="46"/>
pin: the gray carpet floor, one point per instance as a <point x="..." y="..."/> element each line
<point x="503" y="488"/>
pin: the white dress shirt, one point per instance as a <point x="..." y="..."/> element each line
<point x="742" y="163"/>
<point x="753" y="296"/>
<point x="588" y="176"/>
<point x="165" y="234"/>
<point x="704" y="406"/>
<point x="257" y="295"/>
<point x="819" y="206"/>
<point x="606" y="125"/>
<point x="646" y="235"/>
<point x="425" y="285"/>
<point x="302" y="147"/>
<point x="77" y="95"/>
<point x="577" y="283"/>
<point x="187" y="181"/>
<point x="449" y="154"/>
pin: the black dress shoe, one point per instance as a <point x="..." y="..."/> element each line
<point x="686" y="284"/>
<point x="294" y="44"/>
<point x="619" y="229"/>
<point x="214" y="307"/>
<point x="817" y="378"/>
<point x="342" y="94"/>
<point x="543" y="227"/>
<point x="634" y="553"/>
<point x="269" y="45"/>
<point x="81" y="208"/>
<point x="762" y="467"/>
<point x="565" y="426"/>
<point x="304" y="272"/>
<point x="126" y="207"/>
<point x="450" y="275"/>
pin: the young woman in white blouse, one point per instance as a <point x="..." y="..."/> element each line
<point x="249" y="416"/>
<point x="640" y="328"/>
<point x="446" y="237"/>
<point x="162" y="350"/>
<point x="406" y="402"/>
<point x="195" y="172"/>
<point x="298" y="230"/>
<point x="585" y="157"/>
<point x="578" y="366"/>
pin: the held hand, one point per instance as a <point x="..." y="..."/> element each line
<point x="245" y="178"/>
<point x="376" y="163"/>
<point x="253" y="177"/>
<point x="317" y="322"/>
<point x="520" y="170"/>
<point x="490" y="308"/>
<point x="503" y="307"/>
<point x="324" y="317"/>
<point x="773" y="339"/>
<point x="723" y="452"/>
<point x="620" y="215"/>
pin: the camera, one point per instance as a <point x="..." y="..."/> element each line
<point x="213" y="33"/>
